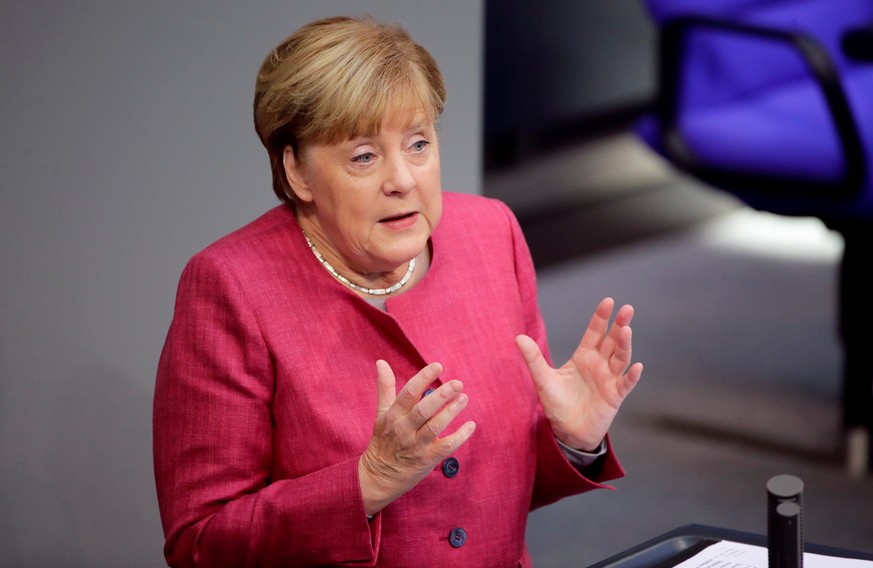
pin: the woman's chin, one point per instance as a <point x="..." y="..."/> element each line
<point x="403" y="247"/>
<point x="398" y="257"/>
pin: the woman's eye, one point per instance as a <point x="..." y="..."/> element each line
<point x="364" y="158"/>
<point x="420" y="145"/>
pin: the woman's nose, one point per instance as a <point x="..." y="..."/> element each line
<point x="399" y="177"/>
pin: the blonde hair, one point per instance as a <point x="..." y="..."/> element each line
<point x="336" y="79"/>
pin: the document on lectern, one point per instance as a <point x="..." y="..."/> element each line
<point x="727" y="554"/>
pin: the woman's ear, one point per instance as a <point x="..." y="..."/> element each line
<point x="295" y="175"/>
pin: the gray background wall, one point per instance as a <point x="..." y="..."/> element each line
<point x="126" y="145"/>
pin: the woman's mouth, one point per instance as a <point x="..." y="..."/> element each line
<point x="401" y="221"/>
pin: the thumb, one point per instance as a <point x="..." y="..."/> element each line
<point x="537" y="365"/>
<point x="386" y="387"/>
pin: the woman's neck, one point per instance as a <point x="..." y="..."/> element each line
<point x="392" y="282"/>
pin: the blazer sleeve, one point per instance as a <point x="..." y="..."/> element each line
<point x="556" y="477"/>
<point x="212" y="441"/>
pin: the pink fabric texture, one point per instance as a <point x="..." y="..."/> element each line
<point x="266" y="397"/>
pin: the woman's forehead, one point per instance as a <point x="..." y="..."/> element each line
<point x="406" y="118"/>
<point x="395" y="118"/>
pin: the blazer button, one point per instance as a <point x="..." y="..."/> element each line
<point x="451" y="467"/>
<point x="457" y="537"/>
<point x="428" y="391"/>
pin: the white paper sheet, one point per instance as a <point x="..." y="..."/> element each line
<point x="727" y="554"/>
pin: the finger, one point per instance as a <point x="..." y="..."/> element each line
<point x="448" y="445"/>
<point x="631" y="379"/>
<point x="597" y="326"/>
<point x="429" y="405"/>
<point x="612" y="342"/>
<point x="410" y="394"/>
<point x="621" y="355"/>
<point x="624" y="315"/>
<point x="537" y="365"/>
<point x="386" y="386"/>
<point x="431" y="429"/>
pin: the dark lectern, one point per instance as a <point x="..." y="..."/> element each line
<point x="684" y="542"/>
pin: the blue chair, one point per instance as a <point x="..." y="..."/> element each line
<point x="772" y="101"/>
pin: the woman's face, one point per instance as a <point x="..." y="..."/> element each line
<point x="370" y="204"/>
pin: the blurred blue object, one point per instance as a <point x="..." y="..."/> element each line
<point x="772" y="101"/>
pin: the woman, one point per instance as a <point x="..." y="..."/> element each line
<point x="361" y="375"/>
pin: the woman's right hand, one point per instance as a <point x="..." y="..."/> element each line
<point x="406" y="446"/>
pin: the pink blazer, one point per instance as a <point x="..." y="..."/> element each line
<point x="265" y="398"/>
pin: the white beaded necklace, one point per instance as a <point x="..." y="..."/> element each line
<point x="352" y="285"/>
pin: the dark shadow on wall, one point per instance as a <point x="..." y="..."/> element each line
<point x="563" y="69"/>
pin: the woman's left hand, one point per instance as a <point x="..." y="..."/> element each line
<point x="582" y="397"/>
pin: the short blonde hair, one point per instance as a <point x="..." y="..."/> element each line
<point x="336" y="79"/>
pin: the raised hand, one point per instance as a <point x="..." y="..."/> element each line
<point x="406" y="446"/>
<point x="582" y="397"/>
